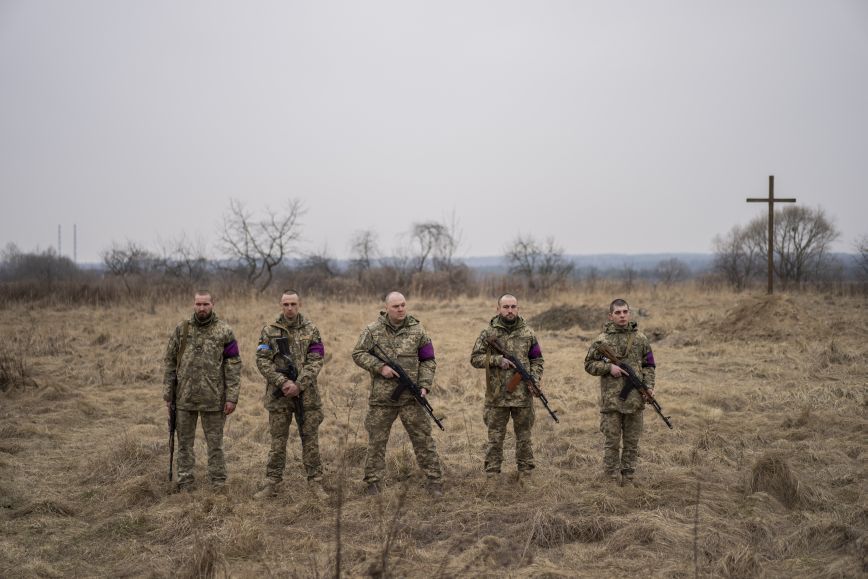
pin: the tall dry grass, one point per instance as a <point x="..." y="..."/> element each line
<point x="762" y="476"/>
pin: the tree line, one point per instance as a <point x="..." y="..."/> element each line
<point x="255" y="250"/>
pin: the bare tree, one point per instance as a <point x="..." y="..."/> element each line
<point x="738" y="256"/>
<point x="523" y="256"/>
<point x="130" y="261"/>
<point x="363" y="250"/>
<point x="629" y="273"/>
<point x="803" y="237"/>
<point x="543" y="266"/>
<point x="449" y="243"/>
<point x="184" y="258"/>
<point x="260" y="245"/>
<point x="429" y="239"/>
<point x="672" y="270"/>
<point x="861" y="246"/>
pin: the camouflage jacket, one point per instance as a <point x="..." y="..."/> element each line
<point x="639" y="357"/>
<point x="409" y="346"/>
<point x="202" y="365"/>
<point x="520" y="341"/>
<point x="307" y="352"/>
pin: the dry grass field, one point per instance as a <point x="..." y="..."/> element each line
<point x="763" y="475"/>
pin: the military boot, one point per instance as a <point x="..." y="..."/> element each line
<point x="434" y="488"/>
<point x="314" y="486"/>
<point x="269" y="489"/>
<point x="373" y="489"/>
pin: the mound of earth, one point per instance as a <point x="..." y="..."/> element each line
<point x="564" y="317"/>
<point x="773" y="316"/>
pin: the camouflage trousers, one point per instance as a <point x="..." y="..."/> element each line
<point x="617" y="427"/>
<point x="278" y="426"/>
<point x="378" y="423"/>
<point x="496" y="419"/>
<point x="212" y="425"/>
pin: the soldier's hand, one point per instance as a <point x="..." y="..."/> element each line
<point x="290" y="388"/>
<point x="616" y="371"/>
<point x="424" y="392"/>
<point x="387" y="372"/>
<point x="228" y="408"/>
<point x="506" y="364"/>
<point x="649" y="395"/>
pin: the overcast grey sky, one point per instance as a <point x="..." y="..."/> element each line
<point x="629" y="127"/>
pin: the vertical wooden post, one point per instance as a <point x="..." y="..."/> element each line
<point x="771" y="245"/>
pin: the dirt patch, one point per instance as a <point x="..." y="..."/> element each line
<point x="774" y="316"/>
<point x="564" y="317"/>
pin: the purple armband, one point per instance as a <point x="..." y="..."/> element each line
<point x="230" y="350"/>
<point x="316" y="348"/>
<point x="534" y="352"/>
<point x="648" y="362"/>
<point x="426" y="352"/>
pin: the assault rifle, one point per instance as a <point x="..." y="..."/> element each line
<point x="173" y="416"/>
<point x="521" y="375"/>
<point x="405" y="383"/>
<point x="632" y="381"/>
<point x="291" y="372"/>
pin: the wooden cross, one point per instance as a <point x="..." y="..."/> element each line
<point x="771" y="201"/>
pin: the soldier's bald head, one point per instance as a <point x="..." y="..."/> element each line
<point x="394" y="296"/>
<point x="396" y="308"/>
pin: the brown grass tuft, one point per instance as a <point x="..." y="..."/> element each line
<point x="128" y="458"/>
<point x="46" y="507"/>
<point x="14" y="372"/>
<point x="740" y="562"/>
<point x="554" y="529"/>
<point x="834" y="354"/>
<point x="772" y="474"/>
<point x="203" y="562"/>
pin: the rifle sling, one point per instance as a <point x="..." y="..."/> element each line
<point x="183" y="344"/>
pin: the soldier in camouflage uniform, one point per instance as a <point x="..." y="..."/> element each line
<point x="621" y="420"/>
<point x="404" y="341"/>
<point x="202" y="377"/>
<point x="307" y="351"/>
<point x="500" y="404"/>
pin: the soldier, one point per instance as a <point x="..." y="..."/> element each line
<point x="202" y="378"/>
<point x="403" y="340"/>
<point x="306" y="351"/>
<point x="500" y="403"/>
<point x="621" y="420"/>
